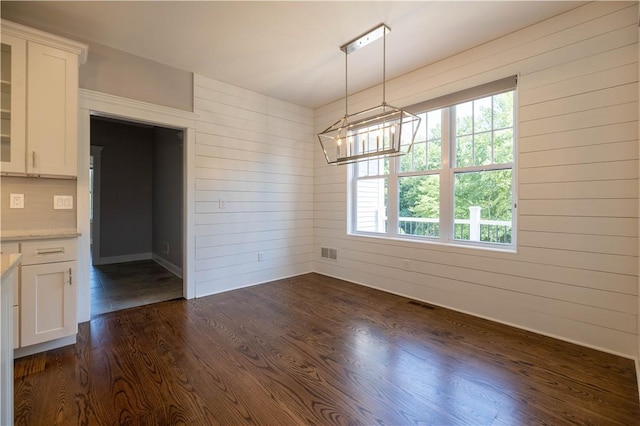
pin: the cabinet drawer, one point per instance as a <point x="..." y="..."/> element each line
<point x="48" y="251"/>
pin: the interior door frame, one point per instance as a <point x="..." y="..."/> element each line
<point x="94" y="234"/>
<point x="101" y="104"/>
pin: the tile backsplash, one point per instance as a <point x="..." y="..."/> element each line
<point x="38" y="212"/>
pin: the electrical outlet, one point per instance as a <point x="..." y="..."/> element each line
<point x="165" y="247"/>
<point x="221" y="204"/>
<point x="62" y="202"/>
<point x="16" y="201"/>
<point x="407" y="264"/>
<point x="260" y="256"/>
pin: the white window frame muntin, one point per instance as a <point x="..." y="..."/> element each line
<point x="446" y="223"/>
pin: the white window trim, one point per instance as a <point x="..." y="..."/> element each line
<point x="447" y="198"/>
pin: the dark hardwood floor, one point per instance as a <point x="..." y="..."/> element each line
<point x="126" y="285"/>
<point x="316" y="350"/>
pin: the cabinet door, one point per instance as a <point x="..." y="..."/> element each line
<point x="47" y="302"/>
<point x="52" y="111"/>
<point x="13" y="105"/>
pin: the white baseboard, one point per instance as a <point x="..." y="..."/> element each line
<point x="122" y="259"/>
<point x="174" y="269"/>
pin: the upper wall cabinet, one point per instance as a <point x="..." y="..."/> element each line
<point x="39" y="102"/>
<point x="12" y="148"/>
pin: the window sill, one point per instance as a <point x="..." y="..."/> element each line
<point x="511" y="249"/>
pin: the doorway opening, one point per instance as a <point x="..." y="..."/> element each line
<point x="136" y="214"/>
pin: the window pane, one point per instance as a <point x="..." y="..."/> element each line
<point x="371" y="205"/>
<point x="503" y="110"/>
<point x="434" y="160"/>
<point x="482" y="149"/>
<point x="420" y="156"/>
<point x="464" y="119"/>
<point x="464" y="151"/>
<point x="373" y="167"/>
<point x="484" y="129"/>
<point x="426" y="152"/>
<point x="434" y="124"/>
<point x="482" y="112"/>
<point x="416" y="159"/>
<point x="434" y="136"/>
<point x="503" y="146"/>
<point x="419" y="205"/>
<point x="421" y="135"/>
<point x="483" y="206"/>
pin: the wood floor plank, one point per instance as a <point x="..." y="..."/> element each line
<point x="317" y="350"/>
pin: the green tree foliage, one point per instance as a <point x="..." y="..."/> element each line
<point x="489" y="190"/>
<point x="419" y="196"/>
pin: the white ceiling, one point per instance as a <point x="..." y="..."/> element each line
<point x="287" y="50"/>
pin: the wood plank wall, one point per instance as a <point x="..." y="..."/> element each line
<point x="255" y="154"/>
<point x="575" y="273"/>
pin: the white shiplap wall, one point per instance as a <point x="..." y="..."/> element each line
<point x="575" y="272"/>
<point x="254" y="153"/>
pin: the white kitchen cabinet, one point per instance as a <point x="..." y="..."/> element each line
<point x="47" y="291"/>
<point x="43" y="137"/>
<point x="13" y="105"/>
<point x="48" y="302"/>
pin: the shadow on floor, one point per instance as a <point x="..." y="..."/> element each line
<point x="126" y="285"/>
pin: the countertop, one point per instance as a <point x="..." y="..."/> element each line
<point x="38" y="234"/>
<point x="9" y="262"/>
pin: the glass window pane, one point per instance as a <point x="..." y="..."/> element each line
<point x="419" y="205"/>
<point x="371" y="209"/>
<point x="482" y="115"/>
<point x="434" y="161"/>
<point x="503" y="146"/>
<point x="373" y="167"/>
<point x="464" y="119"/>
<point x="483" y="206"/>
<point x="406" y="161"/>
<point x="416" y="159"/>
<point x="464" y="151"/>
<point x="503" y="110"/>
<point x="420" y="157"/>
<point x="434" y="124"/>
<point x="421" y="135"/>
<point x="482" y="149"/>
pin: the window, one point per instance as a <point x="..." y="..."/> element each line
<point x="454" y="186"/>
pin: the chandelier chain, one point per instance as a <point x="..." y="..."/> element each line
<point x="346" y="82"/>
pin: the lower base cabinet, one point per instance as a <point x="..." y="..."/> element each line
<point x="47" y="302"/>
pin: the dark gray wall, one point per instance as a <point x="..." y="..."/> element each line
<point x="126" y="190"/>
<point x="167" y="194"/>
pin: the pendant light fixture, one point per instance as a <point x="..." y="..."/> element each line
<point x="378" y="132"/>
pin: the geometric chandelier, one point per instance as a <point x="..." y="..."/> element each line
<point x="381" y="131"/>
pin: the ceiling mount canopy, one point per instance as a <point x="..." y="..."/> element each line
<point x="377" y="132"/>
